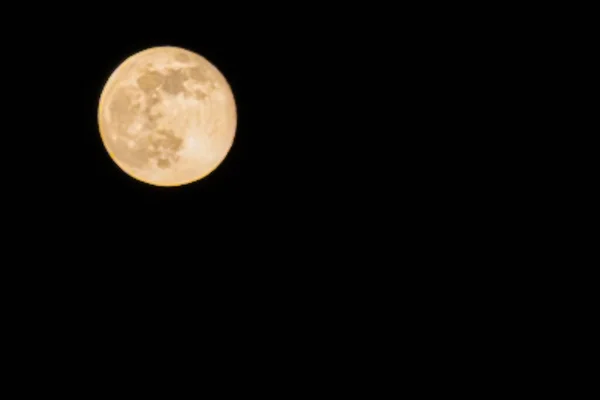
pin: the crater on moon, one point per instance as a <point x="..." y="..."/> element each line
<point x="167" y="116"/>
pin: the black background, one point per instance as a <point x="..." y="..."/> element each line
<point x="338" y="155"/>
<point x="349" y="174"/>
<point x="302" y="206"/>
<point x="302" y="175"/>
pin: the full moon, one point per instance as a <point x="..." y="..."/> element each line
<point x="167" y="116"/>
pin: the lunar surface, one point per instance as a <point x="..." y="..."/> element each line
<point x="167" y="116"/>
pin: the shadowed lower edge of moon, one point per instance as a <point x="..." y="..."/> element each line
<point x="138" y="173"/>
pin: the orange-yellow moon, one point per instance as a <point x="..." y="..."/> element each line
<point x="167" y="116"/>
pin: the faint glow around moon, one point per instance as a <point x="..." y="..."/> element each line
<point x="167" y="116"/>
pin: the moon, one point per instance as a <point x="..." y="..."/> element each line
<point x="167" y="116"/>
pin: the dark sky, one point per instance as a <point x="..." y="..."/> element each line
<point x="73" y="189"/>
<point x="349" y="133"/>
<point x="352" y="172"/>
<point x="314" y="108"/>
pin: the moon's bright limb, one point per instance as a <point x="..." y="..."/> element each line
<point x="167" y="116"/>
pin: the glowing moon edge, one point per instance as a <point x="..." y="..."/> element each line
<point x="108" y="88"/>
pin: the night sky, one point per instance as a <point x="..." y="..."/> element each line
<point x="316" y="113"/>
